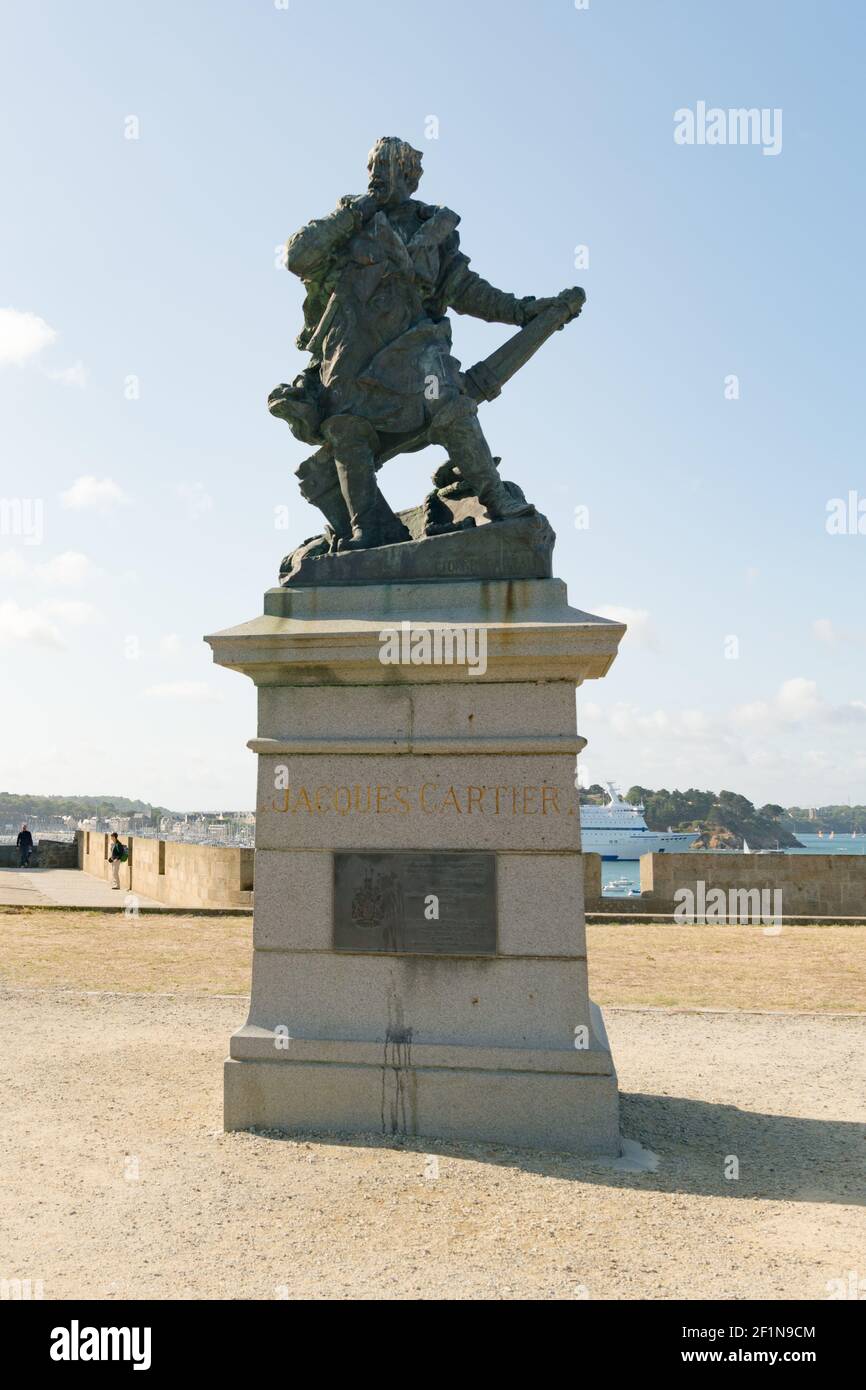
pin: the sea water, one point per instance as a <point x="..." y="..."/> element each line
<point x="629" y="869"/>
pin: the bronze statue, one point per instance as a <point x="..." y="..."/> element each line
<point x="380" y="273"/>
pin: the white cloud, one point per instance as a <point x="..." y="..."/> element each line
<point x="696" y="722"/>
<point x="191" y="692"/>
<point x="42" y="623"/>
<point x="824" y="630"/>
<point x="758" y="712"/>
<point x="12" y="564"/>
<point x="69" y="376"/>
<point x="796" y="700"/>
<point x="72" y="612"/>
<point x="752" y="749"/>
<point x="641" y="630"/>
<point x="197" y="500"/>
<point x="18" y="624"/>
<point x="93" y="494"/>
<point x="852" y="713"/>
<point x="631" y="721"/>
<point x="22" y="336"/>
<point x="69" y="568"/>
<point x="626" y="719"/>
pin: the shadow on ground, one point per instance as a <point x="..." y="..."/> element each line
<point x="780" y="1157"/>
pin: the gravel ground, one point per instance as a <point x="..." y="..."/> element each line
<point x="117" y="1181"/>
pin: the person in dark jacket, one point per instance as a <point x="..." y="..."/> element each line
<point x="25" y="846"/>
<point x="117" y="856"/>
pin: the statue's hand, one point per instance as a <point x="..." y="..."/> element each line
<point x="532" y="307"/>
<point x="282" y="399"/>
<point x="366" y="204"/>
<point x="573" y="299"/>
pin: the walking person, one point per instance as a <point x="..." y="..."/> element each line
<point x="25" y="847"/>
<point x="119" y="855"/>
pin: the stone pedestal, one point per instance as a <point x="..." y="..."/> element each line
<point x="419" y="947"/>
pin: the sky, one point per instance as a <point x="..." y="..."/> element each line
<point x="695" y="437"/>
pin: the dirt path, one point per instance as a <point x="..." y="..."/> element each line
<point x="117" y="1180"/>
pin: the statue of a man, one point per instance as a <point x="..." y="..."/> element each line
<point x="380" y="273"/>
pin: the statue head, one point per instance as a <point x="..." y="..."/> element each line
<point x="394" y="168"/>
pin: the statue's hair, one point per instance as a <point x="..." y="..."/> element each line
<point x="407" y="159"/>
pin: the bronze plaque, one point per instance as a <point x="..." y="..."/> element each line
<point x="418" y="902"/>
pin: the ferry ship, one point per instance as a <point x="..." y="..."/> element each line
<point x="619" y="831"/>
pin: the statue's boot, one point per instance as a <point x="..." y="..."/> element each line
<point x="372" y="521"/>
<point x="358" y="486"/>
<point x="320" y="485"/>
<point x="456" y="426"/>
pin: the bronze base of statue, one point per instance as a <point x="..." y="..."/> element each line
<point x="451" y="536"/>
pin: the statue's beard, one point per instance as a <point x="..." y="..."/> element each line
<point x="390" y="190"/>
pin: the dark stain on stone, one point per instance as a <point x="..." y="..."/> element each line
<point x="509" y="602"/>
<point x="399" y="1110"/>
